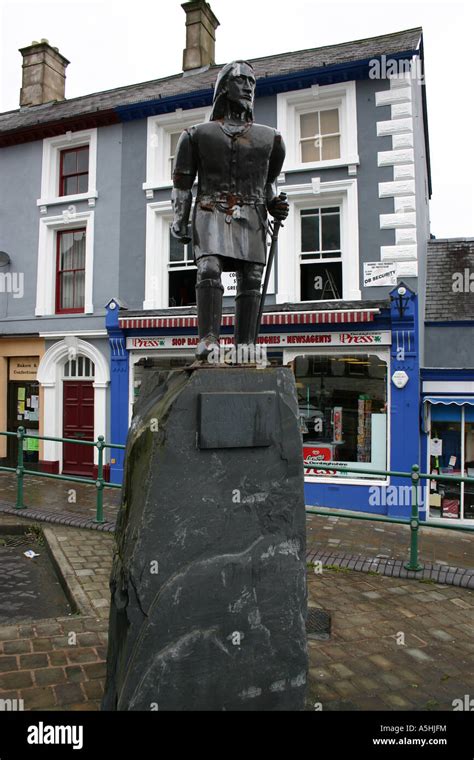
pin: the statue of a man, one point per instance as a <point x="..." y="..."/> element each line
<point x="237" y="163"/>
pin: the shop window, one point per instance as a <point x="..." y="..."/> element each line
<point x="74" y="171"/>
<point x="451" y="452"/>
<point x="181" y="274"/>
<point x="70" y="271"/>
<point x="343" y="416"/>
<point x="321" y="254"/>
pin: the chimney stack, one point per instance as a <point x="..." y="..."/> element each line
<point x="201" y="25"/>
<point x="44" y="74"/>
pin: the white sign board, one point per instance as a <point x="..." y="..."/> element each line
<point x="378" y="273"/>
<point x="272" y="340"/>
<point x="229" y="281"/>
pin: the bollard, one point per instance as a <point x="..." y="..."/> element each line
<point x="99" y="516"/>
<point x="413" y="563"/>
<point x="20" y="434"/>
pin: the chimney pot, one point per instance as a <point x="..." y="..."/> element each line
<point x="201" y="25"/>
<point x="43" y="75"/>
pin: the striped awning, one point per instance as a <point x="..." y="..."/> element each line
<point x="272" y="319"/>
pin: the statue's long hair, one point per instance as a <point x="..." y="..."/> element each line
<point x="220" y="96"/>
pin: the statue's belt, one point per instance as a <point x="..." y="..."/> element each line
<point x="227" y="202"/>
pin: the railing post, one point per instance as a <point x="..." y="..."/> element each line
<point x="99" y="517"/>
<point x="20" y="434"/>
<point x="413" y="563"/>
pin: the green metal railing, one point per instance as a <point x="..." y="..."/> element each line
<point x="99" y="482"/>
<point x="414" y="522"/>
<point x="414" y="476"/>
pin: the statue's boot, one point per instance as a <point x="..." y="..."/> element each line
<point x="247" y="306"/>
<point x="209" y="311"/>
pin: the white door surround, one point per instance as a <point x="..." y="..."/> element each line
<point x="50" y="377"/>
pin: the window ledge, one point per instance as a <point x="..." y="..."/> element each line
<point x="150" y="187"/>
<point x="348" y="161"/>
<point x="90" y="197"/>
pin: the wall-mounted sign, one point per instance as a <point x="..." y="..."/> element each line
<point x="378" y="273"/>
<point x="23" y="368"/>
<point x="274" y="340"/>
<point x="400" y="378"/>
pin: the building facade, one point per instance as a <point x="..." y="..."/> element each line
<point x="107" y="290"/>
<point x="448" y="379"/>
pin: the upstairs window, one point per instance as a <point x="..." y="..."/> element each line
<point x="321" y="254"/>
<point x="74" y="171"/>
<point x="320" y="136"/>
<point x="174" y="137"/>
<point x="181" y="274"/>
<point x="70" y="271"/>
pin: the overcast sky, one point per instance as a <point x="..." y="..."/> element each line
<point x="117" y="42"/>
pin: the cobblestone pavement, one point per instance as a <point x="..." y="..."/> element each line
<point x="59" y="663"/>
<point x="375" y="539"/>
<point x="60" y="496"/>
<point x="394" y="645"/>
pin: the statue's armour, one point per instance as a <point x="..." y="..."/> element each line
<point x="235" y="166"/>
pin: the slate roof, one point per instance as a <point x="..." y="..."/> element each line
<point x="270" y="66"/>
<point x="446" y="258"/>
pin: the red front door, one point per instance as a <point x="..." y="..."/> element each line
<point x="78" y="417"/>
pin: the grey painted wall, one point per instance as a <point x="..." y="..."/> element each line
<point x="20" y="187"/>
<point x="449" y="346"/>
<point x="133" y="214"/>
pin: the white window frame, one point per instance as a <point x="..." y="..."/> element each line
<point x="47" y="252"/>
<point x="158" y="218"/>
<point x="342" y="193"/>
<point x="159" y="129"/>
<point x="319" y="98"/>
<point x="52" y="147"/>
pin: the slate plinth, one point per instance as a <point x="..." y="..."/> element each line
<point x="208" y="582"/>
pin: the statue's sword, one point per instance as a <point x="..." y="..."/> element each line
<point x="271" y="255"/>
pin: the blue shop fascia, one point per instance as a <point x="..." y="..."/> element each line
<point x="357" y="375"/>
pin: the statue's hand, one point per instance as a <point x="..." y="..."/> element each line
<point x="180" y="232"/>
<point x="278" y="208"/>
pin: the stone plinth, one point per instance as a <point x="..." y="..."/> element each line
<point x="208" y="581"/>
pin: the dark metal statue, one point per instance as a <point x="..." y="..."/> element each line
<point x="237" y="163"/>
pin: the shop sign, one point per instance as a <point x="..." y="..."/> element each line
<point x="23" y="368"/>
<point x="277" y="340"/>
<point x="315" y="456"/>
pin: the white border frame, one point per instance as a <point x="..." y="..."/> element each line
<point x="342" y="193"/>
<point x="384" y="355"/>
<point x="50" y="376"/>
<point x="158" y="144"/>
<point x="52" y="147"/>
<point x="46" y="279"/>
<point x="289" y="106"/>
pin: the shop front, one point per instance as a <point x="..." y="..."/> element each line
<point x="351" y="414"/>
<point x="20" y="398"/>
<point x="448" y="449"/>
